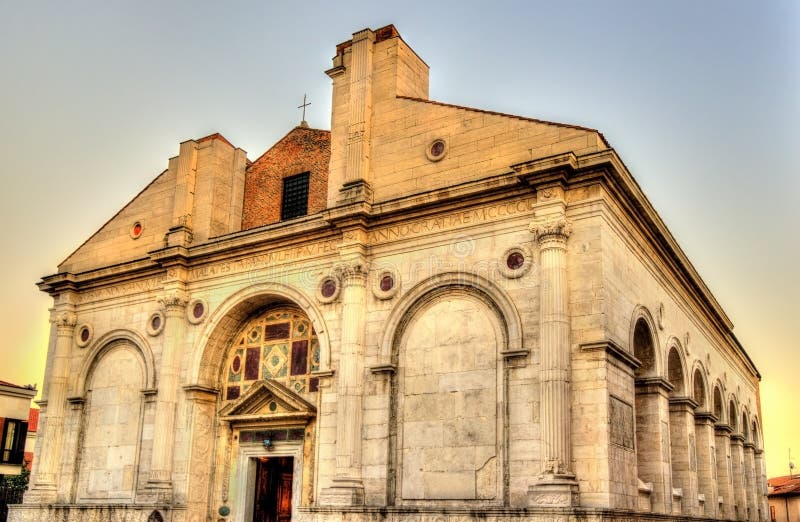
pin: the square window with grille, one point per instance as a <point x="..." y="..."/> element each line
<point x="295" y="196"/>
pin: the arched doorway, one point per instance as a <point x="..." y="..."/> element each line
<point x="268" y="396"/>
<point x="683" y="444"/>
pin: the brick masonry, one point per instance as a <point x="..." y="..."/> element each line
<point x="302" y="150"/>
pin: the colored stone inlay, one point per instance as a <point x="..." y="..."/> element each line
<point x="279" y="344"/>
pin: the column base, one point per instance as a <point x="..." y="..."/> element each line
<point x="355" y="191"/>
<point x="41" y="493"/>
<point x="343" y="492"/>
<point x="554" y="489"/>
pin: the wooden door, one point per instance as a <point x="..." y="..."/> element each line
<point x="273" y="495"/>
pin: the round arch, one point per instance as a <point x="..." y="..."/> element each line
<point x="745" y="425"/>
<point x="719" y="402"/>
<point x="700" y="390"/>
<point x="643" y="326"/>
<point x="434" y="286"/>
<point x="676" y="368"/>
<point x="108" y="341"/>
<point x="211" y="345"/>
<point x="733" y="413"/>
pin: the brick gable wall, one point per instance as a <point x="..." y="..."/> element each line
<point x="302" y="150"/>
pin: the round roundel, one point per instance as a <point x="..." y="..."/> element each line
<point x="515" y="262"/>
<point x="386" y="284"/>
<point x="136" y="230"/>
<point x="436" y="150"/>
<point x="196" y="311"/>
<point x="84" y="335"/>
<point x="236" y="364"/>
<point x="328" y="289"/>
<point x="155" y="325"/>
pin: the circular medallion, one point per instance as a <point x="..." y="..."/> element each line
<point x="515" y="262"/>
<point x="436" y="150"/>
<point x="328" y="289"/>
<point x="84" y="335"/>
<point x="196" y="311"/>
<point x="155" y="324"/>
<point x="137" y="229"/>
<point x="386" y="283"/>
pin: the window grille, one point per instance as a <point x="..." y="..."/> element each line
<point x="295" y="196"/>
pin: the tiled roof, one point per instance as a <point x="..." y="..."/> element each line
<point x="784" y="486"/>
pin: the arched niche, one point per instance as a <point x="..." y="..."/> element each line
<point x="428" y="289"/>
<point x="733" y="414"/>
<point x="107" y="342"/>
<point x="675" y="371"/>
<point x="209" y="353"/>
<point x="111" y="428"/>
<point x="699" y="388"/>
<point x="449" y="399"/>
<point x="745" y="426"/>
<point x="644" y="343"/>
<point x="719" y="405"/>
<point x="754" y="432"/>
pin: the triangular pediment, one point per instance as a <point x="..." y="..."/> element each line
<point x="268" y="399"/>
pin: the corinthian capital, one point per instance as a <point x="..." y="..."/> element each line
<point x="556" y="228"/>
<point x="66" y="320"/>
<point x="173" y="301"/>
<point x="354" y="271"/>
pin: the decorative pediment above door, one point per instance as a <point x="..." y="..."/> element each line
<point x="267" y="402"/>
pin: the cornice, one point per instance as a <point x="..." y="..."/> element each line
<point x="613" y="350"/>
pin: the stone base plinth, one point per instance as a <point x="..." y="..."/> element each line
<point x="343" y="493"/>
<point x="554" y="490"/>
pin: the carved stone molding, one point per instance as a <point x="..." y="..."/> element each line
<point x="65" y="322"/>
<point x="551" y="228"/>
<point x="353" y="272"/>
<point x="173" y="302"/>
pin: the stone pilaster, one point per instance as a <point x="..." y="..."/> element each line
<point x="556" y="484"/>
<point x="160" y="478"/>
<point x="761" y="485"/>
<point x="737" y="477"/>
<point x="347" y="488"/>
<point x="683" y="451"/>
<point x="750" y="480"/>
<point x="722" y="436"/>
<point x="652" y="440"/>
<point x="706" y="466"/>
<point x="356" y="182"/>
<point x="45" y="482"/>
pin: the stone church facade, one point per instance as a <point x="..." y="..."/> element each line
<point x="427" y="313"/>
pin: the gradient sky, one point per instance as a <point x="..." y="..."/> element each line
<point x="701" y="99"/>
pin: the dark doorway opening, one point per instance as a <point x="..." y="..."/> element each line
<point x="273" y="498"/>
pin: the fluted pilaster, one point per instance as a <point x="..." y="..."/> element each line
<point x="174" y="306"/>
<point x="50" y="453"/>
<point x="347" y="486"/>
<point x="556" y="484"/>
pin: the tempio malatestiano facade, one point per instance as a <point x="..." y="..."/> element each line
<point x="429" y="313"/>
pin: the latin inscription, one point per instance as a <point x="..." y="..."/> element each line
<point x="144" y="285"/>
<point x="450" y="221"/>
<point x="265" y="260"/>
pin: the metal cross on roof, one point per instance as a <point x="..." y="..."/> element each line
<point x="303" y="106"/>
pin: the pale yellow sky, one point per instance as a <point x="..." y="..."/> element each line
<point x="699" y="98"/>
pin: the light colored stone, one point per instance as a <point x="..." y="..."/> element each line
<point x="465" y="393"/>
